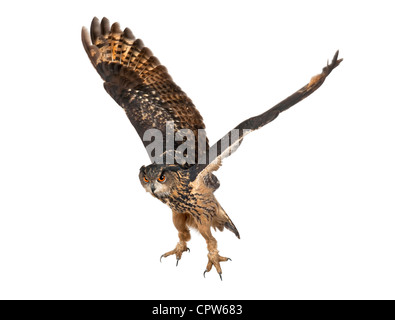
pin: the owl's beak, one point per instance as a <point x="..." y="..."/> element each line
<point x="153" y="189"/>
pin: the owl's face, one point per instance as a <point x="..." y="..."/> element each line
<point x="159" y="180"/>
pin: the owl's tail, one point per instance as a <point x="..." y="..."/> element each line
<point x="225" y="221"/>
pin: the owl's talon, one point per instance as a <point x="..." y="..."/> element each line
<point x="214" y="259"/>
<point x="179" y="249"/>
<point x="219" y="273"/>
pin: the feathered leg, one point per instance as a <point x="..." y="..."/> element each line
<point x="184" y="235"/>
<point x="213" y="257"/>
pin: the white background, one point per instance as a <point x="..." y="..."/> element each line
<point x="312" y="193"/>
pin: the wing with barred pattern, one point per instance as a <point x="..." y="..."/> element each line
<point x="137" y="81"/>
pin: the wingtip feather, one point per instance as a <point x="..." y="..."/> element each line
<point x="86" y="41"/>
<point x="105" y="26"/>
<point x="95" y="29"/>
<point x="116" y="28"/>
<point x="128" y="34"/>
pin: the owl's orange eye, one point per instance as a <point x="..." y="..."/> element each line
<point x="162" y="178"/>
<point x="145" y="179"/>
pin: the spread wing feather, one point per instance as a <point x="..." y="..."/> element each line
<point x="231" y="141"/>
<point x="137" y="81"/>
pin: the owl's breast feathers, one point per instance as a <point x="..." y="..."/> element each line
<point x="198" y="200"/>
<point x="188" y="197"/>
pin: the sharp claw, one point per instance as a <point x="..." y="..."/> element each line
<point x="229" y="259"/>
<point x="177" y="262"/>
<point x="204" y="273"/>
<point x="188" y="250"/>
<point x="220" y="275"/>
<point x="161" y="258"/>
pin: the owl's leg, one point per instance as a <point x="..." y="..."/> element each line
<point x="213" y="257"/>
<point x="184" y="235"/>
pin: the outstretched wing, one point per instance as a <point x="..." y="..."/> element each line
<point x="137" y="81"/>
<point x="231" y="141"/>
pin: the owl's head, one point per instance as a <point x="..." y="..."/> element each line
<point x="160" y="180"/>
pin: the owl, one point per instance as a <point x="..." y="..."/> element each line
<point x="182" y="163"/>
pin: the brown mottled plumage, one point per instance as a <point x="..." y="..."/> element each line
<point x="136" y="80"/>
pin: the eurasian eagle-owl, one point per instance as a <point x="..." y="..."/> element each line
<point x="136" y="80"/>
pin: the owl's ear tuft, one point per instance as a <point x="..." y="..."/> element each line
<point x="142" y="169"/>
